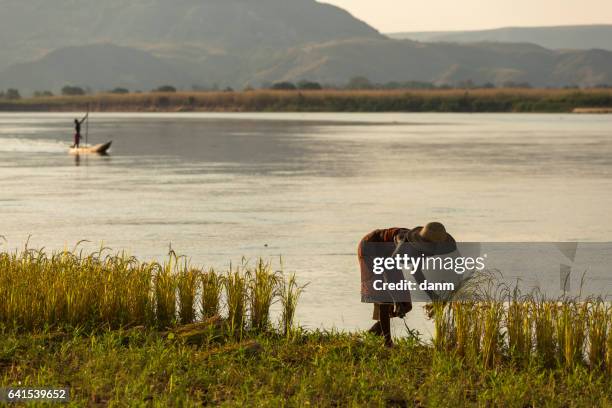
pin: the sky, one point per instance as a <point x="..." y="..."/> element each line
<point x="446" y="15"/>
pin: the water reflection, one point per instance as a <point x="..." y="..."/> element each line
<point x="84" y="159"/>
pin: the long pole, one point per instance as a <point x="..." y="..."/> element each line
<point x="87" y="128"/>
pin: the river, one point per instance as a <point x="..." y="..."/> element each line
<point x="305" y="186"/>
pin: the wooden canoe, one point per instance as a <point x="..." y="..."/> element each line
<point x="97" y="149"/>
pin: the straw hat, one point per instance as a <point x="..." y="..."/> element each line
<point x="433" y="232"/>
<point x="432" y="239"/>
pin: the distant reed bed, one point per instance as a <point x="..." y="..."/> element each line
<point x="508" y="327"/>
<point x="327" y="100"/>
<point x="67" y="289"/>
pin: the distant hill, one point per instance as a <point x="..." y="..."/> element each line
<point x="142" y="44"/>
<point x="99" y="66"/>
<point x="443" y="63"/>
<point x="562" y="37"/>
<point x="29" y="29"/>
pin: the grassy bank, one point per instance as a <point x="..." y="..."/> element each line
<point x="456" y="100"/>
<point x="124" y="332"/>
<point x="140" y="368"/>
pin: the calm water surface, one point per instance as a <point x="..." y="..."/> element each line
<point x="304" y="186"/>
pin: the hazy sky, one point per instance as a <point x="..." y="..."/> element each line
<point x="442" y="15"/>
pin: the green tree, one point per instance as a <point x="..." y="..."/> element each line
<point x="165" y="88"/>
<point x="285" y="85"/>
<point x="69" y="90"/>
<point x="305" y="84"/>
<point x="12" y="94"/>
<point x="359" y="82"/>
<point x="120" y="91"/>
<point x="41" y="94"/>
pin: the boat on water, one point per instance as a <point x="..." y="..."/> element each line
<point x="95" y="149"/>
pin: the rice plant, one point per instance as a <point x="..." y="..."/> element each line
<point x="463" y="317"/>
<point x="67" y="288"/>
<point x="491" y="315"/>
<point x="519" y="328"/>
<point x="235" y="285"/>
<point x="212" y="285"/>
<point x="442" y="340"/>
<point x="290" y="294"/>
<point x="165" y="296"/>
<point x="544" y="325"/>
<point x="571" y="332"/>
<point x="187" y="291"/>
<point x="597" y="323"/>
<point x="40" y="291"/>
<point x="263" y="288"/>
<point x="609" y="343"/>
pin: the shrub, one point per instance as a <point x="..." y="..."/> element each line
<point x="12" y="94"/>
<point x="165" y="88"/>
<point x="287" y="86"/>
<point x="41" y="94"/>
<point x="72" y="91"/>
<point x="359" y="83"/>
<point x="309" y="85"/>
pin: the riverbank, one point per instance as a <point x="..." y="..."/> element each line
<point x="138" y="367"/>
<point x="118" y="331"/>
<point x="455" y="100"/>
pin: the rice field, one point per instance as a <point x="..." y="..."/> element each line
<point x="71" y="290"/>
<point x="121" y="332"/>
<point x="523" y="330"/>
<point x="66" y="289"/>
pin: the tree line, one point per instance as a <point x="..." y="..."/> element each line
<point x="355" y="83"/>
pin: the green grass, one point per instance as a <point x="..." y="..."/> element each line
<point x="328" y="100"/>
<point x="139" y="367"/>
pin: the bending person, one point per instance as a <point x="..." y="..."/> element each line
<point x="429" y="240"/>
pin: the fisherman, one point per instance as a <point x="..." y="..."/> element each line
<point x="77" y="130"/>
<point x="432" y="239"/>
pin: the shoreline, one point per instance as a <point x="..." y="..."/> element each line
<point x="358" y="101"/>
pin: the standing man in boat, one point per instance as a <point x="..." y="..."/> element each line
<point x="432" y="239"/>
<point x="77" y="130"/>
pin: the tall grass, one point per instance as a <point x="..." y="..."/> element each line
<point x="187" y="292"/>
<point x="235" y="284"/>
<point x="290" y="295"/>
<point x="440" y="100"/>
<point x="519" y="326"/>
<point x="212" y="286"/>
<point x="68" y="289"/>
<point x="598" y="328"/>
<point x="263" y="289"/>
<point x="492" y="314"/>
<point x="524" y="329"/>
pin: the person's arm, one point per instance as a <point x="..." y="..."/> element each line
<point x="84" y="118"/>
<point x="420" y="278"/>
<point x="403" y="247"/>
<point x="401" y="308"/>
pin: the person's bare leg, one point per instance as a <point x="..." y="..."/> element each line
<point x="385" y="323"/>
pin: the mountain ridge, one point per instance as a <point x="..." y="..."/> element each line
<point x="142" y="44"/>
<point x="596" y="36"/>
